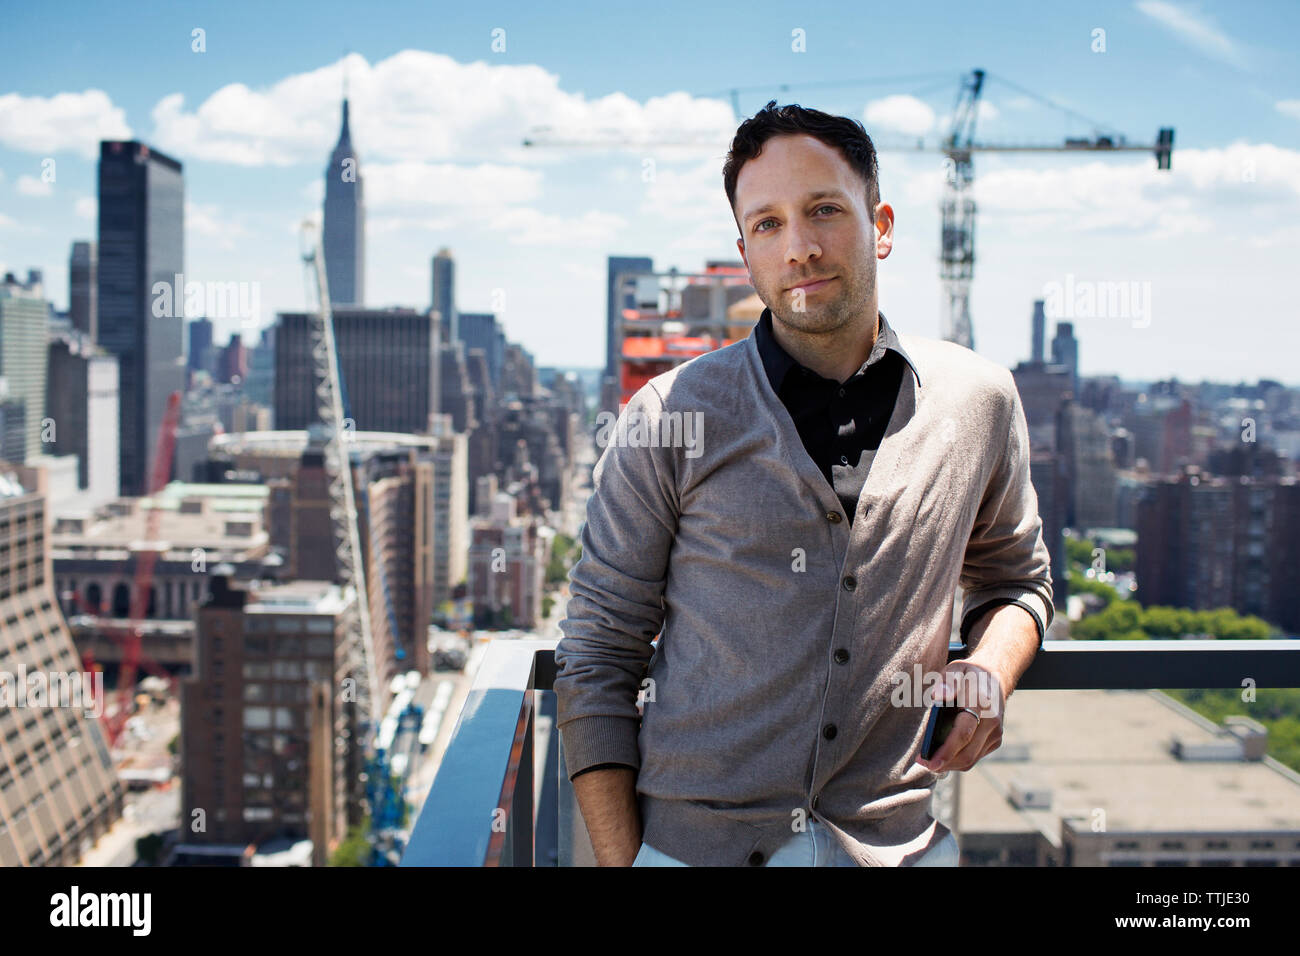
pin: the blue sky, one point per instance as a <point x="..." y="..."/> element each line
<point x="439" y="115"/>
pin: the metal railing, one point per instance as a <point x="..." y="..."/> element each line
<point x="487" y="808"/>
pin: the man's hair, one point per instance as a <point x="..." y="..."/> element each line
<point x="847" y="135"/>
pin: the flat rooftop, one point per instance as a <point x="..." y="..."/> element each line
<point x="1110" y="749"/>
<point x="298" y="597"/>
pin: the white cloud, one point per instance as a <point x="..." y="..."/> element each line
<point x="1196" y="30"/>
<point x="207" y="220"/>
<point x="87" y="207"/>
<point x="445" y="184"/>
<point x="691" y="194"/>
<point x="412" y="106"/>
<point x="31" y="186"/>
<point x="1242" y="186"/>
<point x="902" y="113"/>
<point x="74" y="122"/>
<point x="530" y="227"/>
<point x="378" y="225"/>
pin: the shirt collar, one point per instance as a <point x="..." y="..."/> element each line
<point x="777" y="361"/>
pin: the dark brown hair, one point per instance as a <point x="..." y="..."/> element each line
<point x="846" y="135"/>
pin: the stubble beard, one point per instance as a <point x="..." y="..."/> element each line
<point x="824" y="315"/>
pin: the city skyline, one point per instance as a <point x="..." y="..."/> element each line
<point x="440" y="115"/>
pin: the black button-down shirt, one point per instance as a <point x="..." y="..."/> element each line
<point x="841" y="423"/>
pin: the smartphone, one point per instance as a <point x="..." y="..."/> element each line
<point x="937" y="728"/>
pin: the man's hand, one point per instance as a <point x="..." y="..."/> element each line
<point x="1004" y="643"/>
<point x="978" y="688"/>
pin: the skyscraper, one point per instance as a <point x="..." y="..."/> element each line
<point x="478" y="330"/>
<point x="200" y="342"/>
<point x="24" y="321"/>
<point x="1065" y="351"/>
<point x="141" y="252"/>
<point x="82" y="400"/>
<point x="82" y="298"/>
<point x="444" y="294"/>
<point x="1040" y="321"/>
<point x="388" y="368"/>
<point x="345" y="223"/>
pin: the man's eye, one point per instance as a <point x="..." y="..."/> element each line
<point x="758" y="226"/>
<point x="831" y="208"/>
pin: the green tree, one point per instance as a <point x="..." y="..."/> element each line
<point x="354" y="849"/>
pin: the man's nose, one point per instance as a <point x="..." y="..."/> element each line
<point x="800" y="245"/>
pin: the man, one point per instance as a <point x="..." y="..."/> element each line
<point x="801" y="560"/>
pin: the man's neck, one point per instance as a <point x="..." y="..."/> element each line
<point x="835" y="355"/>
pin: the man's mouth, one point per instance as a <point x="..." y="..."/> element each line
<point x="813" y="285"/>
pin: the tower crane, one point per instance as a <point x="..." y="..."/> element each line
<point x="957" y="207"/>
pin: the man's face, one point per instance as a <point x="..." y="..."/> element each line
<point x="803" y="216"/>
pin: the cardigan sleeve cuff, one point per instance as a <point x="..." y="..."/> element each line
<point x="977" y="605"/>
<point x="589" y="741"/>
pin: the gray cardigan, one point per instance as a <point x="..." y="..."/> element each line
<point x="784" y="630"/>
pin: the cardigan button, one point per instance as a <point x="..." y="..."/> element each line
<point x="755" y="859"/>
<point x="829" y="731"/>
<point x="841" y="656"/>
<point x="833" y="517"/>
<point x="850" y="583"/>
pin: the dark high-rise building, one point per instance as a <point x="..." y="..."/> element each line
<point x="82" y="400"/>
<point x="388" y="361"/>
<point x="141" y="252"/>
<point x="233" y="367"/>
<point x="344" y="233"/>
<point x="1043" y="388"/>
<point x="444" y="294"/>
<point x="82" y="289"/>
<point x="478" y="330"/>
<point x="1036" y="343"/>
<point x="200" y="343"/>
<point x="259" y="387"/>
<point x="1065" y="351"/>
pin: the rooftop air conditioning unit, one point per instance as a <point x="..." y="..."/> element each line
<point x="1252" y="735"/>
<point x="1221" y="748"/>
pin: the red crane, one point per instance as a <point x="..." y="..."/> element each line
<point x="130" y="638"/>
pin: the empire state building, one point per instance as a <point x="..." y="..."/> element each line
<point x="344" y="236"/>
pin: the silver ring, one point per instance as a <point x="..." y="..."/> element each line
<point x="974" y="714"/>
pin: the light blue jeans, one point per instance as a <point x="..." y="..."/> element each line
<point x="814" y="847"/>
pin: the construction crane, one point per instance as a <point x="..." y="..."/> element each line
<point x="957" y="229"/>
<point x="957" y="232"/>
<point x="360" y="649"/>
<point x="384" y="782"/>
